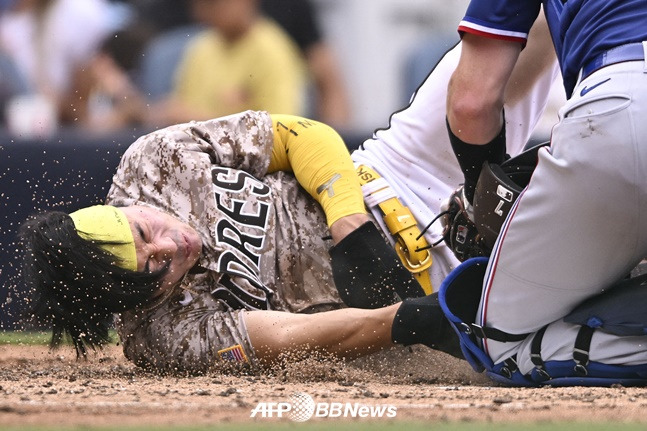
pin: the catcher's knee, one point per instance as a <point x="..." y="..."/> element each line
<point x="618" y="313"/>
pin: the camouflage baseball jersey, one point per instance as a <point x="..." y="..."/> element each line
<point x="263" y="240"/>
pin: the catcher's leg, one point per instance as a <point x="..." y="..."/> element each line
<point x="601" y="342"/>
<point x="588" y="191"/>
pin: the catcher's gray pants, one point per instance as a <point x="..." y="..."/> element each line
<point x="580" y="226"/>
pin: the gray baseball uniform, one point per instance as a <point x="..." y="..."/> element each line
<point x="589" y="189"/>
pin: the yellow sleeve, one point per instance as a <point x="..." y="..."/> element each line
<point x="321" y="163"/>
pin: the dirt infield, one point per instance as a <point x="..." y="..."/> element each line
<point x="42" y="388"/>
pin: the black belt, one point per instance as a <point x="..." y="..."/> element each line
<point x="628" y="52"/>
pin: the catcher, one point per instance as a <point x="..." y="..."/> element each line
<point x="238" y="238"/>
<point x="552" y="305"/>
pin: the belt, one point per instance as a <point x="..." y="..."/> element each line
<point x="619" y="54"/>
<point x="410" y="246"/>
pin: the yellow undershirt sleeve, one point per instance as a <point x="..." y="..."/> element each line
<point x="320" y="161"/>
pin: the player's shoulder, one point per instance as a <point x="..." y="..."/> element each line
<point x="238" y="127"/>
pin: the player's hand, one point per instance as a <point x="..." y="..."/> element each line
<point x="459" y="231"/>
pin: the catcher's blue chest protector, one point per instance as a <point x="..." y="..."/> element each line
<point x="621" y="310"/>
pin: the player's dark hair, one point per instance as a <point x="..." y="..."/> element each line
<point x="76" y="285"/>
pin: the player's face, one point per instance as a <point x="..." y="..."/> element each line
<point x="161" y="239"/>
<point x="231" y="18"/>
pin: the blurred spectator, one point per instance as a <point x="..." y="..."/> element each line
<point x="114" y="100"/>
<point x="327" y="100"/>
<point x="12" y="83"/>
<point x="51" y="43"/>
<point x="241" y="61"/>
<point x="169" y="25"/>
<point x="298" y="18"/>
<point x="161" y="15"/>
<point x="160" y="59"/>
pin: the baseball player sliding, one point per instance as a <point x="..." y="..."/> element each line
<point x="589" y="189"/>
<point x="240" y="238"/>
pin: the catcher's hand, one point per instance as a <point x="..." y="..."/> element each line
<point x="459" y="231"/>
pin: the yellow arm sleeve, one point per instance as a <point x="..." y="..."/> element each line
<point x="320" y="161"/>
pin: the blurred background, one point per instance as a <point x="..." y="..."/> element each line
<point x="386" y="48"/>
<point x="82" y="79"/>
<point x="108" y="64"/>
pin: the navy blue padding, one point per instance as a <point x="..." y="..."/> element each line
<point x="459" y="297"/>
<point x="563" y="374"/>
<point x="620" y="310"/>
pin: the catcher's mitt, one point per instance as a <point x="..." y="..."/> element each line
<point x="472" y="231"/>
<point x="459" y="231"/>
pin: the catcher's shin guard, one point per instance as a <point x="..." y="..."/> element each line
<point x="367" y="271"/>
<point x="459" y="298"/>
<point x="422" y="321"/>
<point x="617" y="311"/>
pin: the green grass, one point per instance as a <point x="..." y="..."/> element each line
<point x="26" y="338"/>
<point x="392" y="424"/>
<point x="34" y="338"/>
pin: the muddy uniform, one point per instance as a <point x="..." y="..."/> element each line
<point x="254" y="227"/>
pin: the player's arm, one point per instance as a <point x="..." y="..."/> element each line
<point x="352" y="332"/>
<point x="321" y="163"/>
<point x="346" y="333"/>
<point x="366" y="270"/>
<point x="475" y="96"/>
<point x="476" y="89"/>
